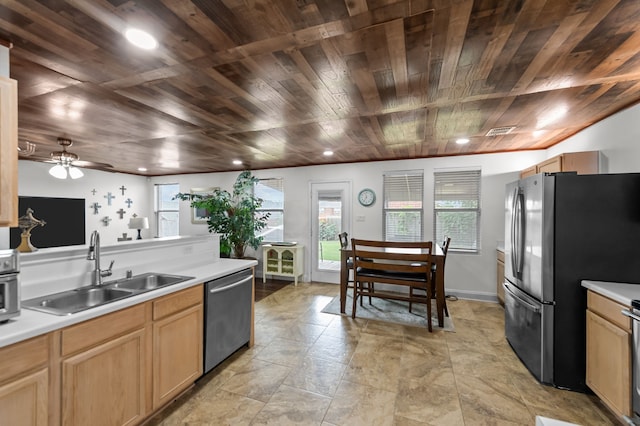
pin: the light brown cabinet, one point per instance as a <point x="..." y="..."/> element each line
<point x="24" y="381"/>
<point x="500" y="276"/>
<point x="609" y="353"/>
<point x="104" y="381"/>
<point x="177" y="343"/>
<point x="584" y="163"/>
<point x="8" y="152"/>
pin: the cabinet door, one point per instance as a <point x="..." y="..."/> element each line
<point x="24" y="401"/>
<point x="585" y="163"/>
<point x="552" y="165"/>
<point x="609" y="363"/>
<point x="105" y="385"/>
<point x="528" y="172"/>
<point x="8" y="152"/>
<point x="177" y="354"/>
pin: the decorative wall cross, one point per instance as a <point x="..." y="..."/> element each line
<point x="122" y="188"/>
<point x="106" y="220"/>
<point x="95" y="206"/>
<point x="93" y="191"/>
<point x="109" y="197"/>
<point x="128" y="202"/>
<point x="121" y="213"/>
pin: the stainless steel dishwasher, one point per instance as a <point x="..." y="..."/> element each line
<point x="227" y="316"/>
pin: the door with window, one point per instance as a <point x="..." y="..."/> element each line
<point x="330" y="215"/>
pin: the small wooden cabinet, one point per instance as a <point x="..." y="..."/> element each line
<point x="286" y="261"/>
<point x="500" y="276"/>
<point x="584" y="163"/>
<point x="609" y="353"/>
<point x="177" y="343"/>
<point x="8" y="152"/>
<point x="24" y="381"/>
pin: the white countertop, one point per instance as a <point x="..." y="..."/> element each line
<point x="622" y="293"/>
<point x="32" y="323"/>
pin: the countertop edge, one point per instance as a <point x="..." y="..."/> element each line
<point x="31" y="324"/>
<point x="622" y="293"/>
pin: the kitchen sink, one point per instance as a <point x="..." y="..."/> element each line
<point x="147" y="282"/>
<point x="80" y="299"/>
<point x="72" y="301"/>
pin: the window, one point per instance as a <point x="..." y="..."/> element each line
<point x="272" y="194"/>
<point x="457" y="209"/>
<point x="167" y="209"/>
<point x="403" y="192"/>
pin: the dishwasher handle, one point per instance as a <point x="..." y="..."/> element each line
<point x="628" y="313"/>
<point x="228" y="286"/>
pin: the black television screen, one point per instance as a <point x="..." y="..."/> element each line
<point x="64" y="217"/>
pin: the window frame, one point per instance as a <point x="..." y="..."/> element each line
<point x="385" y="209"/>
<point x="157" y="210"/>
<point x="471" y="177"/>
<point x="273" y="210"/>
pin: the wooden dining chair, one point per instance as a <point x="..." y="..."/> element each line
<point x="405" y="264"/>
<point x="445" y="249"/>
<point x="344" y="244"/>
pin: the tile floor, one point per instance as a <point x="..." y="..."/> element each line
<point x="312" y="368"/>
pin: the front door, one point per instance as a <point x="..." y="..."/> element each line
<point x="331" y="213"/>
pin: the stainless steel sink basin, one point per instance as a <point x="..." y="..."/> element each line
<point x="69" y="302"/>
<point x="147" y="282"/>
<point x="80" y="299"/>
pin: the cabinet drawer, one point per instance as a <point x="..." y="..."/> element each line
<point x="101" y="329"/>
<point x="608" y="309"/>
<point x="500" y="255"/>
<point x="176" y="302"/>
<point x="23" y="356"/>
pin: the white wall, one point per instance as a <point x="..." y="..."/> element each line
<point x="34" y="181"/>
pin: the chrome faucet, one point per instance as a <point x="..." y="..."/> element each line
<point x="94" y="254"/>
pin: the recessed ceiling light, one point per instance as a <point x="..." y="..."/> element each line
<point x="140" y="38"/>
<point x="142" y="169"/>
<point x="237" y="162"/>
<point x="462" y="141"/>
<point x="327" y="153"/>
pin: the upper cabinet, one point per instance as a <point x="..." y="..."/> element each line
<point x="585" y="163"/>
<point x="8" y="152"/>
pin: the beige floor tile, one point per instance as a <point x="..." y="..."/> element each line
<point x="224" y="408"/>
<point x="292" y="406"/>
<point x="316" y="375"/>
<point x="284" y="352"/>
<point x="484" y="399"/>
<point x="355" y="404"/>
<point x="257" y="380"/>
<point x="332" y="348"/>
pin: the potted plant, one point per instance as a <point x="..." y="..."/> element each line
<point x="234" y="216"/>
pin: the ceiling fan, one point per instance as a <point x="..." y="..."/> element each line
<point x="66" y="163"/>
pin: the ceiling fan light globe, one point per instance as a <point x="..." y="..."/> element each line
<point x="58" y="172"/>
<point x="75" y="173"/>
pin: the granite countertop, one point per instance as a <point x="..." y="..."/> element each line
<point x="33" y="323"/>
<point x="622" y="293"/>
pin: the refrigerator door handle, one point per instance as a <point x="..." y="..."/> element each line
<point x="514" y="246"/>
<point x="520" y="300"/>
<point x="517" y="239"/>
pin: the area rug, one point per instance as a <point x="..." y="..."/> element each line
<point x="395" y="311"/>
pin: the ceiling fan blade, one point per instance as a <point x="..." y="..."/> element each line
<point x="91" y="164"/>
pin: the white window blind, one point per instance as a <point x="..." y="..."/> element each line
<point x="403" y="195"/>
<point x="457" y="209"/>
<point x="272" y="193"/>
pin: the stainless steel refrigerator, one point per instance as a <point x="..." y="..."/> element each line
<point x="560" y="229"/>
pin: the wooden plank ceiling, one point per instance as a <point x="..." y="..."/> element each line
<point x="275" y="83"/>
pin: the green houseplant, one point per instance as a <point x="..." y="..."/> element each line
<point x="234" y="216"/>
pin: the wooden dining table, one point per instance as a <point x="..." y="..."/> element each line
<point x="438" y="258"/>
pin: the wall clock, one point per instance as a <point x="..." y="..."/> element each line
<point x="367" y="197"/>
